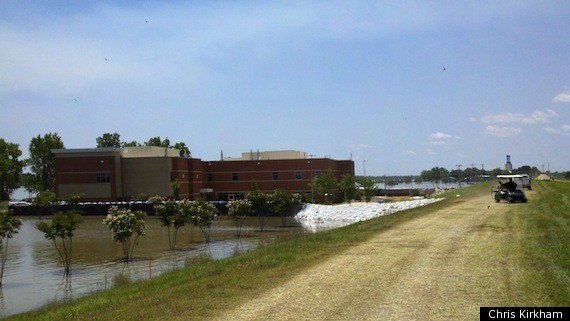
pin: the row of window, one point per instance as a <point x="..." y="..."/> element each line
<point x="298" y="176"/>
<point x="105" y="177"/>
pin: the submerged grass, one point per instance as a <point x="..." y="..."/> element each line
<point x="194" y="292"/>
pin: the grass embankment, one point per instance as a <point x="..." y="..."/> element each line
<point x="540" y="228"/>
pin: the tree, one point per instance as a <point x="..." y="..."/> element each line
<point x="133" y="143"/>
<point x="10" y="168"/>
<point x="260" y="204"/>
<point x="45" y="202"/>
<point x="436" y="174"/>
<point x="282" y="202"/>
<point x="109" y="140"/>
<point x="238" y="210"/>
<point x="202" y="215"/>
<point x="155" y="141"/>
<point x="176" y="189"/>
<point x="324" y="187"/>
<point x="368" y="188"/>
<point x="171" y="216"/>
<point x="42" y="161"/>
<point x="348" y="187"/>
<point x="9" y="226"/>
<point x="184" y="150"/>
<point x="60" y="231"/>
<point x="126" y="226"/>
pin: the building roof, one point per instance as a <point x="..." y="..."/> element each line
<point x="125" y="152"/>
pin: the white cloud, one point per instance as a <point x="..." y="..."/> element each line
<point x="430" y="151"/>
<point x="410" y="153"/>
<point x="438" y="143"/>
<point x="562" y="98"/>
<point x="507" y="117"/>
<point x="563" y="130"/>
<point x="502" y="131"/>
<point x="439" y="135"/>
<point x="360" y="146"/>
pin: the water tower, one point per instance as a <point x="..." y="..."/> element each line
<point x="508" y="165"/>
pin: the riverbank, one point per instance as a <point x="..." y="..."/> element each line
<point x="448" y="258"/>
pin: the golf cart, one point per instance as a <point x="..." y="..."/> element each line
<point x="508" y="191"/>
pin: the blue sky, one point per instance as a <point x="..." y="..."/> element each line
<point x="400" y="86"/>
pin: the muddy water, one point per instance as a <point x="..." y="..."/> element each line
<point x="33" y="274"/>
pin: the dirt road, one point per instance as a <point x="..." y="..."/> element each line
<point x="443" y="265"/>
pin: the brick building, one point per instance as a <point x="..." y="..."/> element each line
<point x="111" y="174"/>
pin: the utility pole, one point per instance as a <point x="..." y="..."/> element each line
<point x="364" y="161"/>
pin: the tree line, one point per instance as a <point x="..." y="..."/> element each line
<point x="41" y="162"/>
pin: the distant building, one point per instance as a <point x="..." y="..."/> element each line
<point x="508" y="165"/>
<point x="111" y="174"/>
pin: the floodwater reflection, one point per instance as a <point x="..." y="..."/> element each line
<point x="34" y="275"/>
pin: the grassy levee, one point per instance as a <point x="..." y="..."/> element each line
<point x="196" y="292"/>
<point x="543" y="245"/>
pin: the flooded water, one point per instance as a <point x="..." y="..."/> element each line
<point x="33" y="274"/>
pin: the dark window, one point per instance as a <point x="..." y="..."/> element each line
<point x="103" y="177"/>
<point x="297" y="175"/>
<point x="210" y="177"/>
<point x="318" y="173"/>
<point x="234" y="176"/>
<point x="275" y="176"/>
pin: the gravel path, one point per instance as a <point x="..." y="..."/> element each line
<point x="443" y="265"/>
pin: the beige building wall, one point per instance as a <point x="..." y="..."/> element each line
<point x="149" y="151"/>
<point x="149" y="176"/>
<point x="270" y="155"/>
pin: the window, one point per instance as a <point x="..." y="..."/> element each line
<point x="103" y="177"/>
<point x="275" y="176"/>
<point x="234" y="176"/>
<point x="318" y="173"/>
<point x="210" y="177"/>
<point x="297" y="175"/>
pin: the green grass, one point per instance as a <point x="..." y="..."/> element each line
<point x="3" y="206"/>
<point x="544" y="251"/>
<point x="195" y="291"/>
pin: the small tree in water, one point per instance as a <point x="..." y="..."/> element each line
<point x="126" y="226"/>
<point x="260" y="203"/>
<point x="9" y="226"/>
<point x="202" y="215"/>
<point x="173" y="217"/>
<point x="61" y="230"/>
<point x="238" y="210"/>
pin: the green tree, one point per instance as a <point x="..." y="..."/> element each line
<point x="260" y="204"/>
<point x="9" y="226"/>
<point x="127" y="226"/>
<point x="282" y="202"/>
<point x="133" y="143"/>
<point x="45" y="202"/>
<point x="10" y="168"/>
<point x="109" y="140"/>
<point x="324" y="187"/>
<point x="184" y="150"/>
<point x="42" y="161"/>
<point x="202" y="215"/>
<point x="238" y="210"/>
<point x="436" y="174"/>
<point x="176" y="189"/>
<point x="368" y="187"/>
<point x="347" y="185"/>
<point x="61" y="231"/>
<point x="156" y="141"/>
<point x="172" y="216"/>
